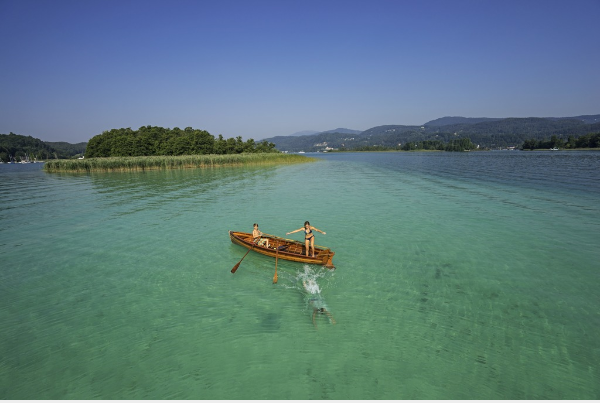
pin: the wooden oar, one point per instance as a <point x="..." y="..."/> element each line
<point x="238" y="263"/>
<point x="276" y="257"/>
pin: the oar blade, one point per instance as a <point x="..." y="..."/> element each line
<point x="238" y="264"/>
<point x="276" y="256"/>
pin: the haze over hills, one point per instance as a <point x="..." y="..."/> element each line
<point x="342" y="130"/>
<point x="304" y="133"/>
<point x="313" y="132"/>
<point x="591" y="119"/>
<point x="453" y="120"/>
<point x="485" y="132"/>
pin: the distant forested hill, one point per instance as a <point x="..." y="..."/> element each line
<point x="591" y="119"/>
<point x="454" y="120"/>
<point x="343" y="131"/>
<point x="485" y="132"/>
<point x="15" y="147"/>
<point x="68" y="149"/>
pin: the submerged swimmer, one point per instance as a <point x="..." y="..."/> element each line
<point x="316" y="301"/>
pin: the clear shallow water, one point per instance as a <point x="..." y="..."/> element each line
<point x="459" y="276"/>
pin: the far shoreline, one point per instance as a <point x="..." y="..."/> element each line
<point x="445" y="151"/>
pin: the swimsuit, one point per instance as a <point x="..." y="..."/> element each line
<point x="258" y="240"/>
<point x="308" y="232"/>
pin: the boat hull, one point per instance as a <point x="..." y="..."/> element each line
<point x="288" y="249"/>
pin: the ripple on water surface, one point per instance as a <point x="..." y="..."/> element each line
<point x="458" y="276"/>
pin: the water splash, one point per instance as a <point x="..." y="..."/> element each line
<point x="309" y="276"/>
<point x="308" y="285"/>
<point x="311" y="286"/>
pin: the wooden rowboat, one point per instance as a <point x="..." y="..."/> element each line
<point x="286" y="249"/>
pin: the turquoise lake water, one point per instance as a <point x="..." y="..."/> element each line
<point x="459" y="276"/>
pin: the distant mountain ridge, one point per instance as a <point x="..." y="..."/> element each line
<point x="590" y="119"/>
<point x="342" y="130"/>
<point x="305" y="133"/>
<point x="313" y="132"/>
<point x="485" y="132"/>
<point x="454" y="120"/>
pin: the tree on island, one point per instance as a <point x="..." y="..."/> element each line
<point x="154" y="141"/>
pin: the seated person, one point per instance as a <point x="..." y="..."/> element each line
<point x="257" y="236"/>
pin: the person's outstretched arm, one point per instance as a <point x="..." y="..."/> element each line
<point x="316" y="229"/>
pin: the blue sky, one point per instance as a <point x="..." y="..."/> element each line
<point x="71" y="69"/>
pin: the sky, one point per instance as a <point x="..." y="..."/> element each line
<point x="71" y="69"/>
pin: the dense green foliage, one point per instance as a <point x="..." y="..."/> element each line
<point x="171" y="162"/>
<point x="154" y="140"/>
<point x="591" y="140"/>
<point x="15" y="147"/>
<point x="483" y="132"/>
<point x="462" y="144"/>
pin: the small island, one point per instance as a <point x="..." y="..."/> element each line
<point x="152" y="147"/>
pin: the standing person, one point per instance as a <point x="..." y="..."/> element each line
<point x="309" y="237"/>
<point x="257" y="236"/>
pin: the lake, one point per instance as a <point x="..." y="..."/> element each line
<point x="459" y="276"/>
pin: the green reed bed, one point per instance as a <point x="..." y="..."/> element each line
<point x="171" y="162"/>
